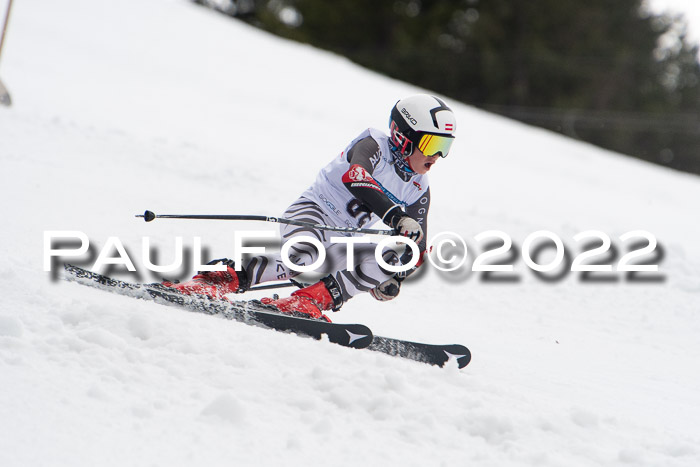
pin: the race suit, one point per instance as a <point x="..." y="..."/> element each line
<point x="359" y="187"/>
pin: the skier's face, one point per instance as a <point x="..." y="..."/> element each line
<point x="419" y="163"/>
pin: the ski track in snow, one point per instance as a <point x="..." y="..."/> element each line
<point x="163" y="105"/>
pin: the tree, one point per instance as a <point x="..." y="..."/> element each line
<point x="605" y="71"/>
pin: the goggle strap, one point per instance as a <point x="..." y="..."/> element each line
<point x="400" y="140"/>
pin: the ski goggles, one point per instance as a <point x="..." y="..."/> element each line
<point x="431" y="145"/>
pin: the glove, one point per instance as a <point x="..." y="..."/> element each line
<point x="387" y="290"/>
<point x="405" y="226"/>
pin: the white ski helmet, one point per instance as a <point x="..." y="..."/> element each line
<point x="424" y="121"/>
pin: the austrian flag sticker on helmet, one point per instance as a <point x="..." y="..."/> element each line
<point x="448" y="127"/>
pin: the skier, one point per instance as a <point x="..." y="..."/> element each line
<point x="377" y="177"/>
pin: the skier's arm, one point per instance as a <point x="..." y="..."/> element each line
<point x="363" y="158"/>
<point x="389" y="289"/>
<point x="419" y="212"/>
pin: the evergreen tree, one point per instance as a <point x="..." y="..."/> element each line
<point x="604" y="71"/>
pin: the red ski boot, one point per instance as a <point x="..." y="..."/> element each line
<point x="214" y="284"/>
<point x="311" y="301"/>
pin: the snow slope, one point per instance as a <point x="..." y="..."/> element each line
<point x="162" y="105"/>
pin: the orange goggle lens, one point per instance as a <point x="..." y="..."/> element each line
<point x="431" y="145"/>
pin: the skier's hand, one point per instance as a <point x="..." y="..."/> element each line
<point x="387" y="290"/>
<point x="407" y="226"/>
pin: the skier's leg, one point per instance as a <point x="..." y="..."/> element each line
<point x="270" y="267"/>
<point x="259" y="269"/>
<point x="333" y="290"/>
<point x="367" y="272"/>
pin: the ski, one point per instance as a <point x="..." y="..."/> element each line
<point x="250" y="312"/>
<point x="254" y="312"/>
<point x="433" y="354"/>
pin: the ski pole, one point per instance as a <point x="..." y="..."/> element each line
<point x="150" y="215"/>
<point x="4" y="26"/>
<point x="270" y="286"/>
<point x="5" y="98"/>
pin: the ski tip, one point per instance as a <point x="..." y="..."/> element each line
<point x="464" y="361"/>
<point x="458" y="353"/>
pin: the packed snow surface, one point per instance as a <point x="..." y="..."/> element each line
<point x="164" y="105"/>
